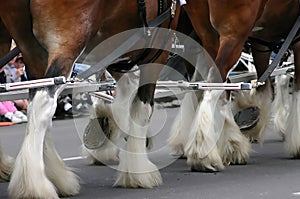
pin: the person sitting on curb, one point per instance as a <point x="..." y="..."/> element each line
<point x="10" y="112"/>
<point x="14" y="71"/>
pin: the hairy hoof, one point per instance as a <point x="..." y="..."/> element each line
<point x="139" y="180"/>
<point x="295" y="154"/>
<point x="237" y="152"/>
<point x="6" y="166"/>
<point x="247" y="118"/>
<point x="42" y="189"/>
<point x="207" y="167"/>
<point x="236" y="159"/>
<point x="68" y="185"/>
<point x="96" y="162"/>
<point x="202" y="168"/>
<point x="5" y="175"/>
<point x="209" y="163"/>
<point x="204" y="160"/>
<point x="105" y="156"/>
<point x="178" y="151"/>
<point x="96" y="133"/>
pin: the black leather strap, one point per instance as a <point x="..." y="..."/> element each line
<point x="9" y="56"/>
<point x="101" y="65"/>
<point x="143" y="13"/>
<point x="282" y="51"/>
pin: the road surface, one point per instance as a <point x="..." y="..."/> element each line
<point x="268" y="174"/>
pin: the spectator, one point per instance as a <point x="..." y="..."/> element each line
<point x="10" y="112"/>
<point x="14" y="71"/>
<point x="69" y="106"/>
<point x="64" y="107"/>
<point x="7" y="108"/>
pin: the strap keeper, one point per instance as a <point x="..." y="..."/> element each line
<point x="173" y="8"/>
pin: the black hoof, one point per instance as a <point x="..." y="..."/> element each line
<point x="247" y="118"/>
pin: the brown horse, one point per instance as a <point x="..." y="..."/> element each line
<point x="51" y="35"/>
<point x="224" y="27"/>
<point x="272" y="28"/>
<point x="6" y="162"/>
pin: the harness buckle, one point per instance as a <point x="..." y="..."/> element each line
<point x="173" y="8"/>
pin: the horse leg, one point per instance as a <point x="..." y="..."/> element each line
<point x="114" y="114"/>
<point x="199" y="139"/>
<point x="6" y="166"/>
<point x="225" y="48"/>
<point x="34" y="55"/>
<point x="38" y="164"/>
<point x="60" y="63"/>
<point x="240" y="17"/>
<point x="215" y="138"/>
<point x="62" y="51"/>
<point x="181" y="127"/>
<point x="5" y="40"/>
<point x="65" y="181"/>
<point x="281" y="103"/>
<point x="201" y="149"/>
<point x="135" y="168"/>
<point x="107" y="150"/>
<point x="182" y="123"/>
<point x="200" y="145"/>
<point x="293" y="125"/>
<point x="219" y="128"/>
<point x="29" y="179"/>
<point x="234" y="146"/>
<point x="103" y="150"/>
<point x="6" y="162"/>
<point x="261" y="97"/>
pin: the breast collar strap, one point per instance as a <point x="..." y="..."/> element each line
<point x="143" y="16"/>
<point x="162" y="6"/>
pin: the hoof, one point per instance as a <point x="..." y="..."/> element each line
<point x="96" y="133"/>
<point x="139" y="180"/>
<point x="236" y="163"/>
<point x="204" y="169"/>
<point x="212" y="168"/>
<point x="247" y="118"/>
<point x="207" y="164"/>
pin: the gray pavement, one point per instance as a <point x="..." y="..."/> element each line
<point x="268" y="174"/>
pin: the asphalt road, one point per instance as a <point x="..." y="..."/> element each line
<point x="268" y="174"/>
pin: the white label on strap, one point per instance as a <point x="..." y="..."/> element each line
<point x="182" y="2"/>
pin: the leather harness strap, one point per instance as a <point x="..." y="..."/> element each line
<point x="162" y="6"/>
<point x="125" y="66"/>
<point x="272" y="46"/>
<point x="123" y="48"/>
<point x="143" y="15"/>
<point x="282" y="50"/>
<point x="9" y="56"/>
<point x="282" y="46"/>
